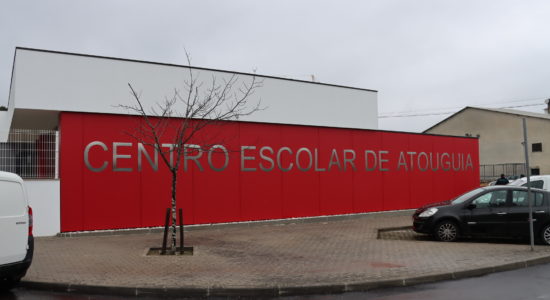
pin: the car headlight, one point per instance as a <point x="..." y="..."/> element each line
<point x="428" y="212"/>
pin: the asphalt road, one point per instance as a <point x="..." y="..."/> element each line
<point x="529" y="283"/>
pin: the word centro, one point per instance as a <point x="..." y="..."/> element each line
<point x="285" y="159"/>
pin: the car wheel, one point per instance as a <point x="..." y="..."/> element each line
<point x="545" y="235"/>
<point x="447" y="231"/>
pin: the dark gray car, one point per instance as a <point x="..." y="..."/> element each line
<point x="493" y="211"/>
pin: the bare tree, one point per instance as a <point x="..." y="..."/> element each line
<point x="179" y="118"/>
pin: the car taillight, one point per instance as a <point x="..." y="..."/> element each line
<point x="30" y="221"/>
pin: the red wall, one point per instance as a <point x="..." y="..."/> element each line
<point x="111" y="199"/>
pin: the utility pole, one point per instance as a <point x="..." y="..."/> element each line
<point x="529" y="196"/>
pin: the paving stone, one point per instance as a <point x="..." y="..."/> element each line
<point x="338" y="254"/>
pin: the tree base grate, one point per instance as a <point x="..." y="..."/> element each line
<point x="158" y="251"/>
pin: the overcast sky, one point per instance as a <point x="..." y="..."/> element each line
<point x="425" y="57"/>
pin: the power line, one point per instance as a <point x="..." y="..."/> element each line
<point x="456" y="107"/>
<point x="416" y="115"/>
<point x="446" y="112"/>
<point x="524" y="105"/>
<point x="489" y="103"/>
<point x="398" y="113"/>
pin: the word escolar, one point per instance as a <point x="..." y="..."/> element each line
<point x="267" y="159"/>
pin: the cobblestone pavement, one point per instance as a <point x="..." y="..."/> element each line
<point x="327" y="252"/>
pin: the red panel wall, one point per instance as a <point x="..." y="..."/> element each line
<point x="322" y="171"/>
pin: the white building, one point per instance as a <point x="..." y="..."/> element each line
<point x="45" y="84"/>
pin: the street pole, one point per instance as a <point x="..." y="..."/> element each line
<point x="529" y="196"/>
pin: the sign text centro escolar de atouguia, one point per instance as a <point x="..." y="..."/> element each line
<point x="267" y="158"/>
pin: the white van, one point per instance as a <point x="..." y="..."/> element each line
<point x="16" y="240"/>
<point x="537" y="181"/>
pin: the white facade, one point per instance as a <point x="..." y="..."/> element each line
<point x="45" y="83"/>
<point x="6" y="116"/>
<point x="44" y="198"/>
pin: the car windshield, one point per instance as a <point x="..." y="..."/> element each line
<point x="466" y="196"/>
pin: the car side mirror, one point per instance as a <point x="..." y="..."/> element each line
<point x="471" y="206"/>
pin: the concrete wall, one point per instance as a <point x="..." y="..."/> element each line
<point x="44" y="198"/>
<point x="501" y="136"/>
<point x="76" y="83"/>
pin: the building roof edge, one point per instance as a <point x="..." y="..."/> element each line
<point x="192" y="67"/>
<point x="495" y="110"/>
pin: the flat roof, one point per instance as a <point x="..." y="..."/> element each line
<point x="192" y="67"/>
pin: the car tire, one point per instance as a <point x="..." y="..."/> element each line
<point x="545" y="235"/>
<point x="446" y="231"/>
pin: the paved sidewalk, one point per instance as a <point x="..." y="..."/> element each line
<point x="328" y="255"/>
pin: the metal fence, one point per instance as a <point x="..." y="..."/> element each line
<point x="492" y="172"/>
<point x="32" y="154"/>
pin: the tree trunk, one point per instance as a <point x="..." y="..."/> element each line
<point x="174" y="227"/>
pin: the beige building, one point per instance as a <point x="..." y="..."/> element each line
<point x="500" y="133"/>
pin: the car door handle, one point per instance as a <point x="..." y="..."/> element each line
<point x="539" y="211"/>
<point x="501" y="213"/>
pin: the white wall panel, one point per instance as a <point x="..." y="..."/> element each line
<point x="6" y="116"/>
<point x="44" y="198"/>
<point x="65" y="82"/>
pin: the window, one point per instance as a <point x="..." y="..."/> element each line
<point x="519" y="198"/>
<point x="536" y="147"/>
<point x="492" y="199"/>
<point x="466" y="196"/>
<point x="535" y="171"/>
<point x="538" y="184"/>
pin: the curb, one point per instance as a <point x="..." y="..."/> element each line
<point x="245" y="224"/>
<point x="387" y="229"/>
<point x="276" y="291"/>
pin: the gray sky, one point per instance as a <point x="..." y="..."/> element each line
<point x="423" y="56"/>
